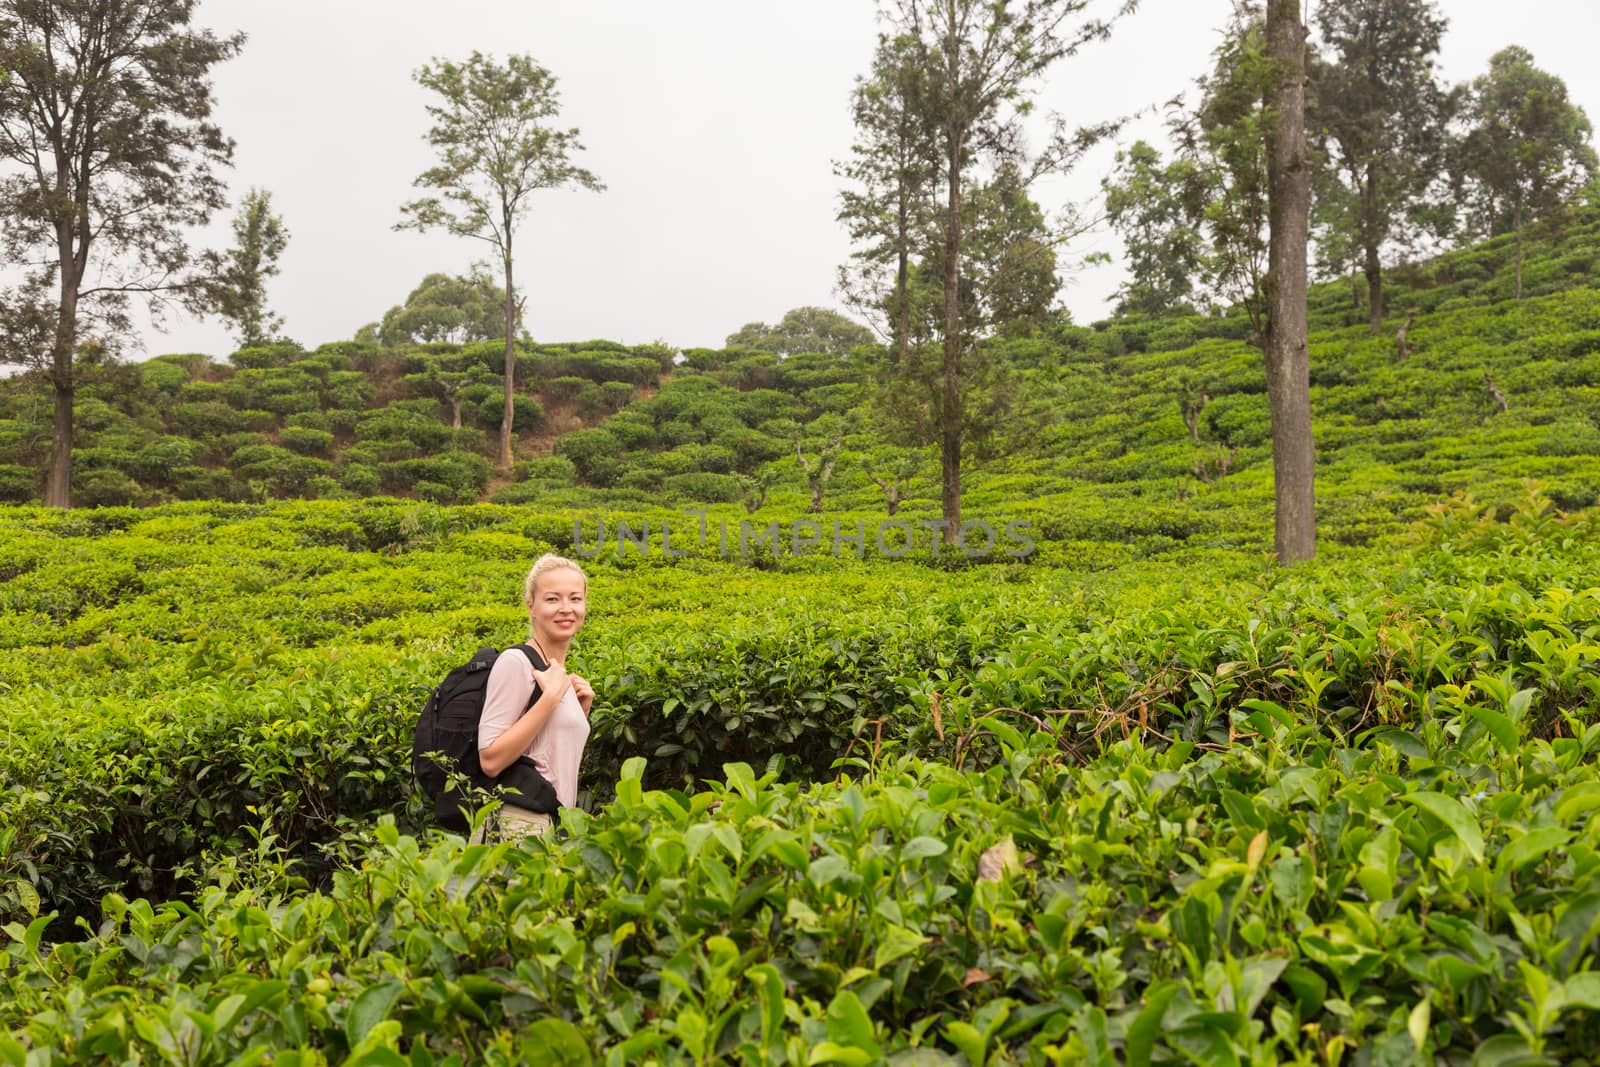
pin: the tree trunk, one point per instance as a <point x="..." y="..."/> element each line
<point x="511" y="362"/>
<point x="58" y="485"/>
<point x="1517" y="225"/>
<point x="1287" y="353"/>
<point x="950" y="406"/>
<point x="902" y="276"/>
<point x="58" y="488"/>
<point x="1372" y="268"/>
<point x="1401" y="349"/>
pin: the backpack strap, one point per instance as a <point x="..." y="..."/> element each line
<point x="538" y="664"/>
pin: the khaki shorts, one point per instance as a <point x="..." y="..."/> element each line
<point x="513" y="824"/>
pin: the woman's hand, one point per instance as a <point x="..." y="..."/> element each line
<point x="584" y="691"/>
<point x="553" y="679"/>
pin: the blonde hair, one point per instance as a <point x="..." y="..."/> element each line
<point x="544" y="565"/>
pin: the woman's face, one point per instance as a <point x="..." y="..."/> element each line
<point x="558" y="604"/>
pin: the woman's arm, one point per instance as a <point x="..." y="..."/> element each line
<point x="502" y="734"/>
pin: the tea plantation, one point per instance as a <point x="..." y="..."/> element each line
<point x="1195" y="808"/>
<point x="1138" y="796"/>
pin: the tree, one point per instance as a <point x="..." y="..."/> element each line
<point x="891" y="179"/>
<point x="238" y="282"/>
<point x="804" y="329"/>
<point x="960" y="70"/>
<point x="1379" y="116"/>
<point x="495" y="148"/>
<point x="899" y="468"/>
<point x="447" y="307"/>
<point x="1222" y="183"/>
<point x="1249" y="189"/>
<point x="108" y="154"/>
<point x="1287" y="350"/>
<point x="1011" y="257"/>
<point x="1526" y="152"/>
<point x="820" y="473"/>
<point x="1164" y="247"/>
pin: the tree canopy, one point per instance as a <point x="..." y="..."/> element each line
<point x="447" y="307"/>
<point x="803" y="329"/>
<point x="491" y="129"/>
<point x="1526" y="149"/>
<point x="109" y="154"/>
<point x="939" y="121"/>
<point x="1379" y="115"/>
<point x="238" y="282"/>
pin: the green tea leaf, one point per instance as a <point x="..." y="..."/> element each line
<point x="1146" y="1026"/>
<point x="1530" y="847"/>
<point x="556" y="1042"/>
<point x="1583" y="990"/>
<point x="894" y="942"/>
<point x="369" y="1009"/>
<point x="1455" y="817"/>
<point x="1499" y="725"/>
<point x="922" y="847"/>
<point x="849" y="1025"/>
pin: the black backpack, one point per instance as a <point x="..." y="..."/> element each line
<point x="448" y="726"/>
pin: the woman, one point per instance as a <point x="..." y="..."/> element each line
<point x="553" y="729"/>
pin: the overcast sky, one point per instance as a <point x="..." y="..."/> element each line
<point x="714" y="124"/>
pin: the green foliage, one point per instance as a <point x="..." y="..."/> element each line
<point x="236" y="287"/>
<point x="527" y="412"/>
<point x="1344" y="803"/>
<point x="807" y="329"/>
<point x="18" y="484"/>
<point x="448" y="308"/>
<point x="1528" y="150"/>
<point x="1164" y="250"/>
<point x="307" y="440"/>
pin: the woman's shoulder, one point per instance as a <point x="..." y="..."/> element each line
<point x="514" y="662"/>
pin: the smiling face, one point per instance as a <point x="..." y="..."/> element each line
<point x="557" y="605"/>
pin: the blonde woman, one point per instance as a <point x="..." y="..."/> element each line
<point x="534" y="707"/>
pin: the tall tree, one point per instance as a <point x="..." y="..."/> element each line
<point x="238" y="281"/>
<point x="963" y="70"/>
<point x="1288" y="354"/>
<point x="1527" y="150"/>
<point x="108" y="154"/>
<point x="1164" y="246"/>
<point x="1380" y="116"/>
<point x="1249" y="187"/>
<point x="1011" y="256"/>
<point x="890" y="191"/>
<point x="1222" y="173"/>
<point x="496" y="147"/>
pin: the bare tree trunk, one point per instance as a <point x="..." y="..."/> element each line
<point x="58" y="488"/>
<point x="950" y="408"/>
<point x="511" y="361"/>
<point x="893" y="489"/>
<point x="1517" y="224"/>
<point x="1402" y="351"/>
<point x="1372" y="268"/>
<point x="58" y="485"/>
<point x="902" y="310"/>
<point x="1496" y="392"/>
<point x="1287" y="352"/>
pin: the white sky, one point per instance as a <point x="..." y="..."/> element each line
<point x="714" y="124"/>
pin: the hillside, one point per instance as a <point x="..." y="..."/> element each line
<point x="1138" y="796"/>
<point x="1093" y="446"/>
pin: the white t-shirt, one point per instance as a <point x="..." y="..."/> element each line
<point x="557" y="748"/>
